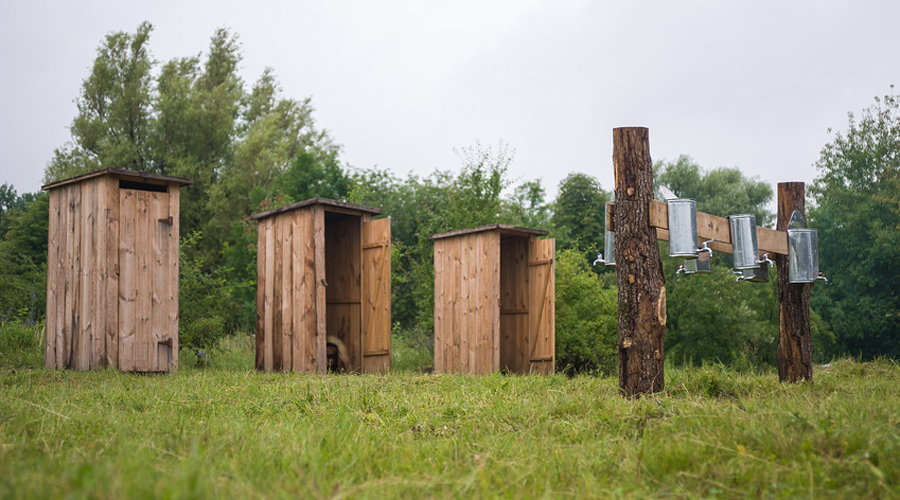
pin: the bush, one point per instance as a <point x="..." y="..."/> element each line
<point x="205" y="304"/>
<point x="586" y="321"/>
<point x="21" y="343"/>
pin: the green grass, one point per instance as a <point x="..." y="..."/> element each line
<point x="227" y="431"/>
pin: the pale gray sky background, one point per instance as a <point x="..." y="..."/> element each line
<point x="400" y="84"/>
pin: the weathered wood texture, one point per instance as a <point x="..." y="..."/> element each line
<point x="494" y="301"/>
<point x="112" y="273"/>
<point x="639" y="274"/>
<point x="709" y="227"/>
<point x="794" y="353"/>
<point x="314" y="263"/>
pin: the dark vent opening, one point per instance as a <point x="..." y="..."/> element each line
<point x="142" y="186"/>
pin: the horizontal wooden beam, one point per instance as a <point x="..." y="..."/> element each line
<point x="709" y="227"/>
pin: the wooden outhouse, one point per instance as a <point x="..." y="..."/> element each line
<point x="494" y="300"/>
<point x="323" y="292"/>
<point x="112" y="272"/>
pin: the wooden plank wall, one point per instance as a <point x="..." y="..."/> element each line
<point x="542" y="306"/>
<point x="286" y="301"/>
<point x="467" y="303"/>
<point x="376" y="295"/>
<point x="77" y="277"/>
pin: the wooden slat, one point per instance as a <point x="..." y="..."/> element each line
<point x="376" y="295"/>
<point x="174" y="266"/>
<point x="479" y="251"/>
<point x="320" y="291"/>
<point x="468" y="332"/>
<point x="261" y="250"/>
<point x="268" y="330"/>
<point x="63" y="302"/>
<point x="74" y="311"/>
<point x="127" y="278"/>
<point x="287" y="302"/>
<point x="452" y="294"/>
<point x="309" y="329"/>
<point x="439" y="303"/>
<point x="87" y="284"/>
<point x="53" y="229"/>
<point x="112" y="272"/>
<point x="144" y="344"/>
<point x="278" y="297"/>
<point x="159" y="287"/>
<point x="98" y="356"/>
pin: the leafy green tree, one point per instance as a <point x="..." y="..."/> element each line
<point x="857" y="212"/>
<point x="114" y="110"/>
<point x="23" y="253"/>
<point x="579" y="214"/>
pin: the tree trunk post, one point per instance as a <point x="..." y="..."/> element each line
<point x="639" y="273"/>
<point x="794" y="353"/>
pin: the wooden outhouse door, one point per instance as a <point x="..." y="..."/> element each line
<point x="376" y="286"/>
<point x="147" y="281"/>
<point x="542" y="306"/>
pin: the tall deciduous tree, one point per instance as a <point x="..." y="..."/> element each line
<point x="114" y="110"/>
<point x="857" y="213"/>
<point x="579" y="214"/>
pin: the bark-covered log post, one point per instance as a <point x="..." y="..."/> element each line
<point x="794" y="353"/>
<point x="639" y="273"/>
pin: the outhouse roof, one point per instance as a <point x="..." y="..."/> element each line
<point x="503" y="228"/>
<point x="119" y="172"/>
<point x="318" y="201"/>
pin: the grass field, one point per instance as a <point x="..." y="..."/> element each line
<point x="227" y="431"/>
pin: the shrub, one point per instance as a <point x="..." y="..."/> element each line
<point x="586" y="321"/>
<point x="205" y="303"/>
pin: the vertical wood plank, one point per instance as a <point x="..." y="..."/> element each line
<point x="439" y="302"/>
<point x="308" y="333"/>
<point x="468" y="335"/>
<point x="143" y="248"/>
<point x="174" y="268"/>
<point x="127" y="275"/>
<point x="296" y="334"/>
<point x="112" y="271"/>
<point x="53" y="238"/>
<point x="455" y="349"/>
<point x="268" y="360"/>
<point x="261" y="264"/>
<point x="74" y="310"/>
<point x="159" y="292"/>
<point x="321" y="317"/>
<point x="85" y="330"/>
<point x="98" y="356"/>
<point x="278" y="297"/>
<point x="63" y="278"/>
<point x="287" y="302"/>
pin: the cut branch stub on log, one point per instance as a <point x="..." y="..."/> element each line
<point x="639" y="273"/>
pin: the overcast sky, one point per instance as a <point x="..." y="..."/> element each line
<point x="401" y="84"/>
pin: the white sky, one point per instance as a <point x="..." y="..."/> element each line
<point x="400" y="84"/>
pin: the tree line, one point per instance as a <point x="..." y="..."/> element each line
<point x="249" y="148"/>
